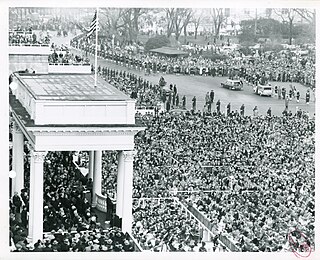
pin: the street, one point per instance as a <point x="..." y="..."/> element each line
<point x="198" y="86"/>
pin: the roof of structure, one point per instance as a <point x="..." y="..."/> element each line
<point x="70" y="87"/>
<point x="168" y="51"/>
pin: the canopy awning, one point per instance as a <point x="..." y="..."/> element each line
<point x="168" y="51"/>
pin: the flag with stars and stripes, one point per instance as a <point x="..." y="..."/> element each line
<point x="93" y="26"/>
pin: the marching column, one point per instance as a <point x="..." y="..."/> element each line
<point x="91" y="164"/>
<point x="96" y="177"/>
<point x="18" y="159"/>
<point x="120" y="179"/>
<point x="36" y="196"/>
<point x="127" y="191"/>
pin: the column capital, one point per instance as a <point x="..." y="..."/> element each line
<point x="38" y="156"/>
<point x="129" y="155"/>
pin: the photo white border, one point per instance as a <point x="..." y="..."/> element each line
<point x="4" y="131"/>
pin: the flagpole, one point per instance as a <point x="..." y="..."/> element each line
<point x="96" y="52"/>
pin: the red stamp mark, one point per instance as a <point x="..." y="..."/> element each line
<point x="299" y="243"/>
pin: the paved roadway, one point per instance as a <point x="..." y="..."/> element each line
<point x="199" y="85"/>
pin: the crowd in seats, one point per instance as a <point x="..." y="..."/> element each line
<point x="271" y="162"/>
<point x="110" y="170"/>
<point x="62" y="55"/>
<point x="95" y="240"/>
<point x="275" y="66"/>
<point x="45" y="25"/>
<point x="26" y="38"/>
<point x="160" y="225"/>
<point x="262" y="164"/>
<point x="266" y="167"/>
<point x="66" y="212"/>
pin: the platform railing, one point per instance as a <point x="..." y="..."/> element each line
<point x="69" y="64"/>
<point x="101" y="203"/>
<point x="223" y="238"/>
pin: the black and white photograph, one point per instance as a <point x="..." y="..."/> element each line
<point x="142" y="130"/>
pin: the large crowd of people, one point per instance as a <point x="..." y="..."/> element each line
<point x="262" y="164"/>
<point x="253" y="177"/>
<point x="145" y="93"/>
<point x="27" y="37"/>
<point x="62" y="55"/>
<point x="275" y="66"/>
<point x="69" y="222"/>
<point x="160" y="225"/>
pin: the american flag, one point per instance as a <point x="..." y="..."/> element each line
<point x="93" y="26"/>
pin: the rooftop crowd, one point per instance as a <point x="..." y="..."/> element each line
<point x="27" y="38"/>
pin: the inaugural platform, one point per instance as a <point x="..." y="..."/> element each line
<point x="56" y="112"/>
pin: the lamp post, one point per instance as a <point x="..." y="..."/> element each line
<point x="12" y="175"/>
<point x="13" y="86"/>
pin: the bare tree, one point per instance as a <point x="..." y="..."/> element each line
<point x="218" y="18"/>
<point x="287" y="15"/>
<point x="187" y="20"/>
<point x="177" y="19"/>
<point x="121" y="22"/>
<point x="197" y="18"/>
<point x="110" y="20"/>
<point x="170" y="15"/>
<point x="130" y="19"/>
<point x="307" y="14"/>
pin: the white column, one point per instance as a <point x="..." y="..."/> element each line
<point x="127" y="191"/>
<point x="36" y="196"/>
<point x="120" y="179"/>
<point x="96" y="177"/>
<point x="91" y="164"/>
<point x="18" y="159"/>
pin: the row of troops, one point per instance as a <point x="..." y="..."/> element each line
<point x="282" y="93"/>
<point x="136" y="80"/>
<point x="172" y="100"/>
